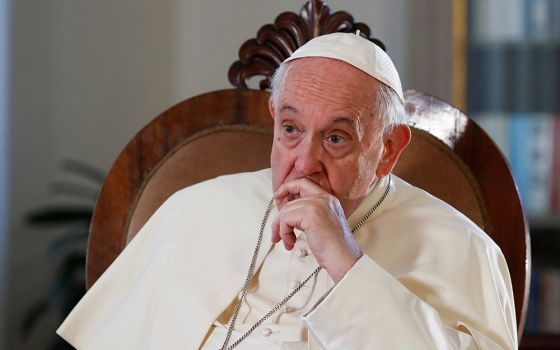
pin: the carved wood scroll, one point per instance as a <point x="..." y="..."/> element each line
<point x="276" y="42"/>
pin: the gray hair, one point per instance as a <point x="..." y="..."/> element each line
<point x="389" y="105"/>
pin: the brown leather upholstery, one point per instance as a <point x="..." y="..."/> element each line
<point x="454" y="182"/>
<point x="241" y="148"/>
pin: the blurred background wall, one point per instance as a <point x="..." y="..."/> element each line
<point x="4" y="161"/>
<point x="85" y="76"/>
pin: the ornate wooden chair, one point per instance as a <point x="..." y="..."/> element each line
<point x="230" y="131"/>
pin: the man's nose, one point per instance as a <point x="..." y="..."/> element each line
<point x="309" y="157"/>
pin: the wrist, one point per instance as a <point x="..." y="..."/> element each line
<point x="339" y="266"/>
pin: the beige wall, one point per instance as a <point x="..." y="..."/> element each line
<point x="86" y="75"/>
<point x="4" y="140"/>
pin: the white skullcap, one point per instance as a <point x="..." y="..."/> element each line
<point x="357" y="51"/>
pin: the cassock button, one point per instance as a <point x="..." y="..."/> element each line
<point x="301" y="253"/>
<point x="265" y="332"/>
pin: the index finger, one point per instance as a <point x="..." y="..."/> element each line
<point x="298" y="188"/>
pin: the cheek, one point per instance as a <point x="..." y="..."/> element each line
<point x="278" y="155"/>
<point x="280" y="164"/>
<point x="364" y="173"/>
<point x="363" y="170"/>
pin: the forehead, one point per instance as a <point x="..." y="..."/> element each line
<point x="324" y="83"/>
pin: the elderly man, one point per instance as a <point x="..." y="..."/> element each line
<point x="367" y="261"/>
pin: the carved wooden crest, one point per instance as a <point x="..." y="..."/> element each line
<point x="276" y="42"/>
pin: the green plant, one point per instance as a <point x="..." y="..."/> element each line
<point x="69" y="248"/>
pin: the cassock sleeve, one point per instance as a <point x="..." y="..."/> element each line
<point x="171" y="282"/>
<point x="372" y="309"/>
<point x="124" y="289"/>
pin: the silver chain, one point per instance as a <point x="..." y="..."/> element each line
<point x="296" y="289"/>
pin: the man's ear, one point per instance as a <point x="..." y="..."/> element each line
<point x="394" y="144"/>
<point x="271" y="107"/>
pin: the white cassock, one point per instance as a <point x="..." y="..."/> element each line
<point x="429" y="279"/>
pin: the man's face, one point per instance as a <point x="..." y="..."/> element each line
<point x="325" y="129"/>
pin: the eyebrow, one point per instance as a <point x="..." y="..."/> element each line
<point x="289" y="108"/>
<point x="352" y="122"/>
<point x="346" y="120"/>
<point x="336" y="120"/>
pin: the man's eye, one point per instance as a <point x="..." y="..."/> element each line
<point x="289" y="129"/>
<point x="335" y="139"/>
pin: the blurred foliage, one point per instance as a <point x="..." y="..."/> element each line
<point x="68" y="249"/>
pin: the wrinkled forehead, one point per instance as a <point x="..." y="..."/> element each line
<point x="331" y="68"/>
<point x="320" y="78"/>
